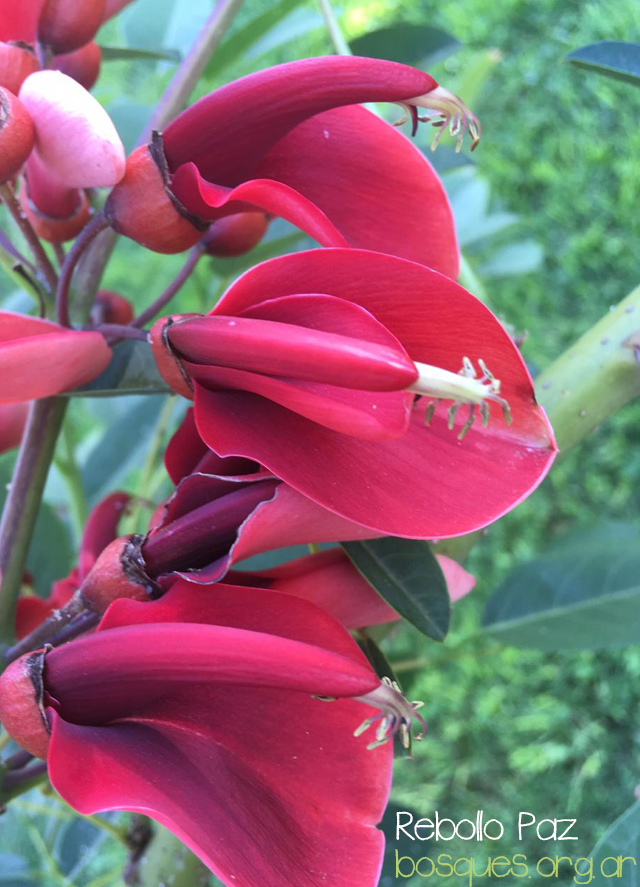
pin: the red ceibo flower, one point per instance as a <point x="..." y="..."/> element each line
<point x="342" y="371"/>
<point x="38" y="358"/>
<point x="292" y="142"/>
<point x="198" y="709"/>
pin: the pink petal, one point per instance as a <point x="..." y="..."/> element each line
<point x="75" y="137"/>
<point x="396" y="202"/>
<point x="19" y="326"/>
<point x="459" y="581"/>
<point x="41" y="365"/>
<point x="261" y="108"/>
<point x="209" y="201"/>
<point x="101" y="529"/>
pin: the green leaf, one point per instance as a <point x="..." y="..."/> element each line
<point x="407" y="575"/>
<point x="622" y="838"/>
<point x="516" y="258"/>
<point x="406" y="43"/>
<point x="121" y="447"/>
<point x="132" y="371"/>
<point x="582" y="594"/>
<point x="239" y="43"/>
<point x="611" y="58"/>
<point x="131" y="53"/>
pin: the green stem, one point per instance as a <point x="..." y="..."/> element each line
<point x="167" y="860"/>
<point x="23" y="502"/>
<point x="68" y="467"/>
<point x="333" y="27"/>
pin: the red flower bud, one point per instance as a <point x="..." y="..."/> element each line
<point x="21" y="709"/>
<point x="66" y="25"/>
<point x="118" y="572"/>
<point x="83" y="64"/>
<point x="157" y="220"/>
<point x="56" y="212"/>
<point x="13" y="418"/>
<point x="17" y="135"/>
<point x="235" y="235"/>
<point x="112" y="308"/>
<point x="17" y="61"/>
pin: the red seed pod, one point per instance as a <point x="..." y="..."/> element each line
<point x="17" y="135"/>
<point x="17" y="61"/>
<point x="66" y="25"/>
<point x="112" y="308"/>
<point x="21" y="704"/>
<point x="118" y="572"/>
<point x="235" y="235"/>
<point x="83" y="64"/>
<point x="143" y="209"/>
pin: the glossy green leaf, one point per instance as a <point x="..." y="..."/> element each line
<point x="582" y="594"/>
<point x="407" y="575"/>
<point x="132" y="371"/>
<point x="611" y="58"/>
<point x="132" y="54"/>
<point x="621" y="839"/>
<point x="406" y="43"/>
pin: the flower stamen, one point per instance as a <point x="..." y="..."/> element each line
<point x="445" y="112"/>
<point x="397" y="715"/>
<point x="464" y="388"/>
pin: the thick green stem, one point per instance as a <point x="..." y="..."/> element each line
<point x="597" y="376"/>
<point x="22" y="504"/>
<point x="586" y="385"/>
<point x="167" y="861"/>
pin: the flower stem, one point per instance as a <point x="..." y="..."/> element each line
<point x="176" y="284"/>
<point x="42" y="259"/>
<point x="17" y="782"/>
<point x="49" y="628"/>
<point x="333" y="27"/>
<point x="23" y="502"/>
<point x="97" y="224"/>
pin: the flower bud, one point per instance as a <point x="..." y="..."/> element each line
<point x="21" y="704"/>
<point x="75" y="137"/>
<point x="142" y="207"/>
<point x="118" y="572"/>
<point x="13" y="418"/>
<point x="112" y="308"/>
<point x="57" y="213"/>
<point x="17" y="61"/>
<point x="66" y="25"/>
<point x="83" y="64"/>
<point x="235" y="235"/>
<point x="17" y="135"/>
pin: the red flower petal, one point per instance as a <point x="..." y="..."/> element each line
<point x="13" y="418"/>
<point x="19" y="20"/>
<point x="396" y="203"/>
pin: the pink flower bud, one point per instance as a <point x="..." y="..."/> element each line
<point x="57" y="213"/>
<point x="83" y="64"/>
<point x="235" y="235"/>
<point x="75" y="137"/>
<point x="111" y="307"/>
<point x="16" y="135"/>
<point x="66" y="25"/>
<point x="17" y="61"/>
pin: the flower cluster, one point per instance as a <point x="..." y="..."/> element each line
<point x="347" y="392"/>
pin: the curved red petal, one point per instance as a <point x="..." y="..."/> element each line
<point x="262" y="107"/>
<point x="396" y="202"/>
<point x="209" y="201"/>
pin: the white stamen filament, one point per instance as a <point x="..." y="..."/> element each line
<point x="445" y="111"/>
<point x="397" y="715"/>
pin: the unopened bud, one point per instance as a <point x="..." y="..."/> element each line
<point x="83" y="64"/>
<point x="21" y="704"/>
<point x="51" y="228"/>
<point x="112" y="308"/>
<point x="143" y="208"/>
<point x="57" y="213"/>
<point x="235" y="235"/>
<point x="17" y="61"/>
<point x="75" y="137"/>
<point x="118" y="572"/>
<point x="17" y="135"/>
<point x="66" y="25"/>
